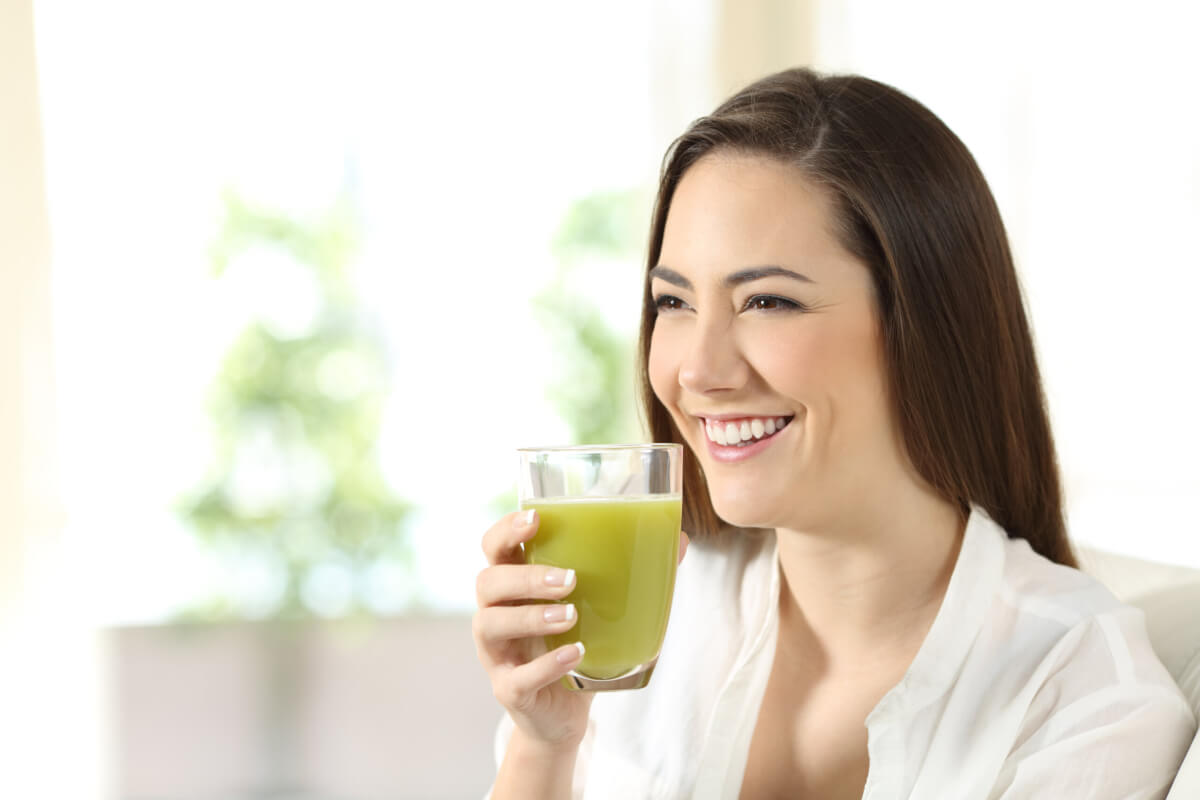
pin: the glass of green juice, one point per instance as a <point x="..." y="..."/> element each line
<point x="611" y="513"/>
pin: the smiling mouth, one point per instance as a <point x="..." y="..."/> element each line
<point x="744" y="431"/>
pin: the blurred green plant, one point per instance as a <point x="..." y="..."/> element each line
<point x="593" y="381"/>
<point x="295" y="485"/>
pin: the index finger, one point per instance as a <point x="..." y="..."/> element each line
<point x="502" y="543"/>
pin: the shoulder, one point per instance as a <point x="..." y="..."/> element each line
<point x="1039" y="588"/>
<point x="1068" y="627"/>
<point x="1058" y="692"/>
<point x="1069" y="621"/>
<point x="1096" y="703"/>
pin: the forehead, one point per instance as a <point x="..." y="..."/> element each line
<point x="733" y="210"/>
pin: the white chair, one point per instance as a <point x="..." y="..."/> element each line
<point x="1170" y="598"/>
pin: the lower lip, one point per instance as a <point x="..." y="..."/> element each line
<point x="729" y="455"/>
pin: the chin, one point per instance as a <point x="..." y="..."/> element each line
<point x="745" y="509"/>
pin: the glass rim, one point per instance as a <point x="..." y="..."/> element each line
<point x="592" y="448"/>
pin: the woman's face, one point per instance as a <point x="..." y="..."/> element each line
<point x="766" y="348"/>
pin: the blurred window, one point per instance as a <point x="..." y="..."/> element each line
<point x="453" y="145"/>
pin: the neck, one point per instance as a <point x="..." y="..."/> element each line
<point x="867" y="591"/>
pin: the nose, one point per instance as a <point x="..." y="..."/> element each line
<point x="713" y="363"/>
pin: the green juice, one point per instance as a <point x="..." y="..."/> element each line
<point x="624" y="551"/>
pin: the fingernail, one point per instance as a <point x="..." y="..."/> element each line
<point x="524" y="519"/>
<point x="571" y="655"/>
<point x="559" y="612"/>
<point x="560" y="577"/>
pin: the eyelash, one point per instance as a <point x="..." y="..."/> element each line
<point x="781" y="303"/>
<point x="665" y="302"/>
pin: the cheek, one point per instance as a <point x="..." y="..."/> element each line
<point x="857" y="382"/>
<point x="795" y="364"/>
<point x="833" y="369"/>
<point x="864" y="371"/>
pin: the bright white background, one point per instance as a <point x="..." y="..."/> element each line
<point x="468" y="128"/>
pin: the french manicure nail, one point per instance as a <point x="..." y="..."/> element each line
<point x="559" y="612"/>
<point x="560" y="577"/>
<point x="566" y="656"/>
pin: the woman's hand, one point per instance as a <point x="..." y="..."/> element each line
<point x="509" y="627"/>
<point x="508" y="630"/>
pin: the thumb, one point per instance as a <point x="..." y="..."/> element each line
<point x="683" y="544"/>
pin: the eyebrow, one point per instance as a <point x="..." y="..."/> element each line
<point x="741" y="276"/>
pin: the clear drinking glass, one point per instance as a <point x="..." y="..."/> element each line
<point x="612" y="514"/>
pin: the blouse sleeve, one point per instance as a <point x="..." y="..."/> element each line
<point x="1113" y="726"/>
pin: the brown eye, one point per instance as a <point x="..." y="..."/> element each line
<point x="667" y="302"/>
<point x="770" y="302"/>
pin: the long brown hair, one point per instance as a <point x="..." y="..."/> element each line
<point x="913" y="206"/>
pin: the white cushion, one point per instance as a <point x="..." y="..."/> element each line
<point x="1187" y="780"/>
<point x="1173" y="622"/>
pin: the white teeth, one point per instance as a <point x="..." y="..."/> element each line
<point x="717" y="434"/>
<point x="732" y="434"/>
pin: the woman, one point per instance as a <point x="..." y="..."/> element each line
<point x="880" y="598"/>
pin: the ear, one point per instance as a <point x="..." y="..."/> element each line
<point x="683" y="544"/>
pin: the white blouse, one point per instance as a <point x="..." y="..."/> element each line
<point x="1033" y="681"/>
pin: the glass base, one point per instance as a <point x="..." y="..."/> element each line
<point x="636" y="678"/>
